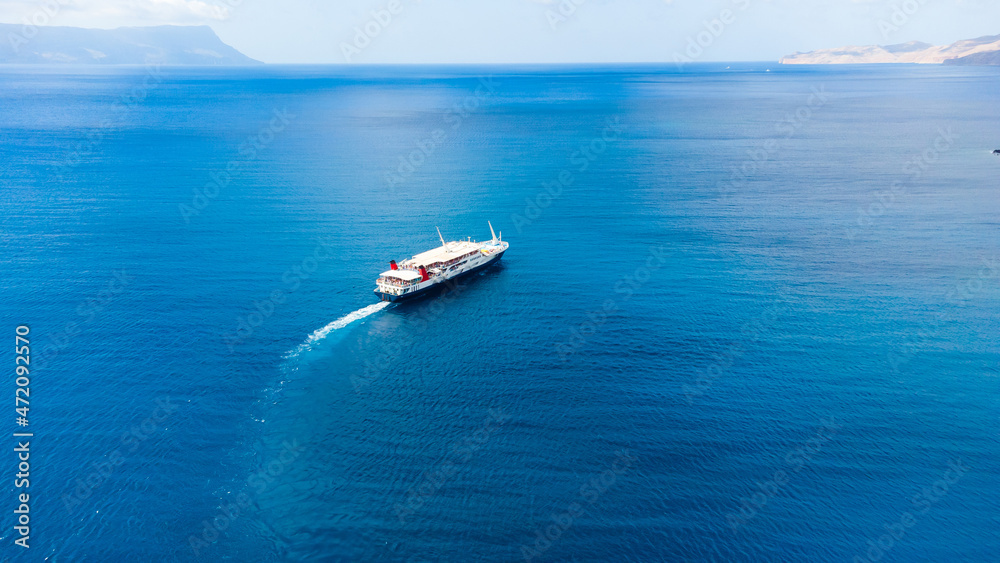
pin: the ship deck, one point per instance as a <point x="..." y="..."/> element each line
<point x="443" y="253"/>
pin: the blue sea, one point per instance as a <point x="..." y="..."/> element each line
<point x="749" y="313"/>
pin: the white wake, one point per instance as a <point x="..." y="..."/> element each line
<point x="336" y="325"/>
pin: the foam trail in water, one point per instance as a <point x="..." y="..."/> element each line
<point x="337" y="324"/>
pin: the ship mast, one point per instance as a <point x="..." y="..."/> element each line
<point x="442" y="238"/>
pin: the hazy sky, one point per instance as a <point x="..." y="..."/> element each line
<point x="495" y="31"/>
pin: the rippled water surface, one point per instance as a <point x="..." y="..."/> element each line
<point x="746" y="315"/>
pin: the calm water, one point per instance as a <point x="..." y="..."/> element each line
<point x="746" y="315"/>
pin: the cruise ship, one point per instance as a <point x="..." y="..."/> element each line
<point x="426" y="270"/>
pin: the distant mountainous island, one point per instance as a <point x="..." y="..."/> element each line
<point x="165" y="44"/>
<point x="981" y="51"/>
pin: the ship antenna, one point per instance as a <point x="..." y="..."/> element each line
<point x="491" y="231"/>
<point x="442" y="238"/>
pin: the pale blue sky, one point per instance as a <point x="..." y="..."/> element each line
<point x="533" y="31"/>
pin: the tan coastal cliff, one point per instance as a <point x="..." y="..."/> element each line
<point x="980" y="51"/>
